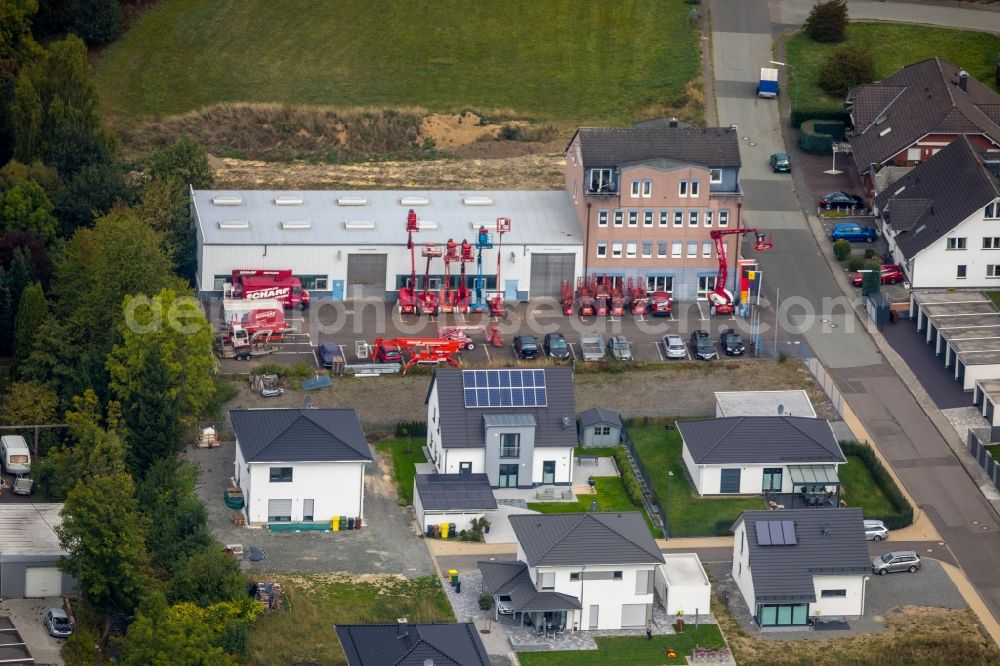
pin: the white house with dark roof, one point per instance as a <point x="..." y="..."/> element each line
<point x="748" y="455"/>
<point x="796" y="565"/>
<point x="516" y="426"/>
<point x="578" y="570"/>
<point x="300" y="465"/>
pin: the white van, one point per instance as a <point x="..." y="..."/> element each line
<point x="15" y="454"/>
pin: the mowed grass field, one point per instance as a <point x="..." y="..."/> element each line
<point x="572" y="60"/>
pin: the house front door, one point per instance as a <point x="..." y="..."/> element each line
<point x="465" y="468"/>
<point x="594" y="611"/>
<point x="549" y="471"/>
<point x="508" y="476"/>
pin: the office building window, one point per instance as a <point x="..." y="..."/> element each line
<point x="602" y="218"/>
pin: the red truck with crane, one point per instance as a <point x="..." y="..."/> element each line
<point x="256" y="284"/>
<point x="720" y="298"/>
<point x="249" y="327"/>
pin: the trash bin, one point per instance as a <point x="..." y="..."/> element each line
<point x="444" y="530"/>
<point x="350" y="522"/>
<point x="451" y="530"/>
<point x="452" y="576"/>
<point x="357" y="522"/>
<point x="335" y="523"/>
<point x="343" y="523"/>
<point x="430" y="531"/>
<point x="458" y="587"/>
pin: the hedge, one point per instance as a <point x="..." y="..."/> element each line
<point x="817" y="136"/>
<point x="411" y="429"/>
<point x="632" y="488"/>
<point x="904" y="512"/>
<point x="802" y="114"/>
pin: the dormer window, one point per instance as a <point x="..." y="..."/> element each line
<point x="715" y="176"/>
<point x="602" y="181"/>
<point x="992" y="211"/>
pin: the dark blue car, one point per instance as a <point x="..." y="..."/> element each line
<point x="851" y="231"/>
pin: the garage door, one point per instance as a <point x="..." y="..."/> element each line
<point x="634" y="615"/>
<point x="366" y="276"/>
<point x="279" y="510"/>
<point x="729" y="481"/>
<point x="548" y="271"/>
<point x="42" y="582"/>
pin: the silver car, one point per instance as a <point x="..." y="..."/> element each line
<point x="620" y="348"/>
<point x="896" y="560"/>
<point x="674" y="347"/>
<point x="57" y="623"/>
<point x="875" y="530"/>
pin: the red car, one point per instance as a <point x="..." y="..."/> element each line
<point x="890" y="274"/>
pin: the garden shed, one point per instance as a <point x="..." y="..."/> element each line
<point x="682" y="584"/>
<point x="600" y="427"/>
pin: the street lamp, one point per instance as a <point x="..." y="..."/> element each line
<point x="785" y="64"/>
<point x="666" y="519"/>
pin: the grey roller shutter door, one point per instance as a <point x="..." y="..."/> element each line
<point x="279" y="510"/>
<point x="548" y="271"/>
<point x="634" y="615"/>
<point x="366" y="276"/>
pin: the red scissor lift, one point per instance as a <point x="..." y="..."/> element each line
<point x="428" y="300"/>
<point x="566" y="298"/>
<point x="616" y="302"/>
<point x="638" y="299"/>
<point x="585" y="297"/>
<point x="602" y="292"/>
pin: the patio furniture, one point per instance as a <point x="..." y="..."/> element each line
<point x="546" y="494"/>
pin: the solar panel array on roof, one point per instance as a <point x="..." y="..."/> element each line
<point x="775" y="532"/>
<point x="504" y="388"/>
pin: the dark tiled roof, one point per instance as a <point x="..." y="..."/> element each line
<point x="463" y="427"/>
<point x="615" y="146"/>
<point x="585" y="538"/>
<point x="412" y="644"/>
<point x="597" y="416"/>
<point x="919" y="99"/>
<point x="455" y="492"/>
<point x="829" y="541"/>
<point x="512" y="579"/>
<point x="300" y="435"/>
<point x="937" y="195"/>
<point x="760" y="439"/>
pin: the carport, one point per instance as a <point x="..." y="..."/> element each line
<point x="986" y="396"/>
<point x="963" y="327"/>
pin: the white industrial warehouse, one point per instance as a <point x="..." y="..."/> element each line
<point x="352" y="244"/>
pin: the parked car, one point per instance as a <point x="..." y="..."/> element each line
<point x="620" y="348"/>
<point x="841" y="200"/>
<point x="889" y="274"/>
<point x="896" y="560"/>
<point x="673" y="346"/>
<point x="525" y="346"/>
<point x="732" y="342"/>
<point x="329" y="353"/>
<point x="701" y="346"/>
<point x="57" y="623"/>
<point x="852" y="231"/>
<point x="504" y="606"/>
<point x="388" y="352"/>
<point x="780" y="163"/>
<point x="556" y="347"/>
<point x="875" y="530"/>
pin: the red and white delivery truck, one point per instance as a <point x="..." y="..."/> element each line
<point x="255" y="316"/>
<point x="280" y="285"/>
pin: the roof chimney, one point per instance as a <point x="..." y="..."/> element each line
<point x="673" y="122"/>
<point x="963" y="80"/>
<point x="401" y="631"/>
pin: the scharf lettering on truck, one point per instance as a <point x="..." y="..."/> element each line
<point x="258" y="316"/>
<point x="273" y="292"/>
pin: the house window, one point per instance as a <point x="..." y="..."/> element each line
<point x="692" y="218"/>
<point x="647" y="189"/>
<point x="992" y="211"/>
<point x="772" y="478"/>
<point x="778" y="615"/>
<point x="602" y="218"/>
<point x="647" y="218"/>
<point x="630" y="249"/>
<point x="706" y="249"/>
<point x="281" y="475"/>
<point x="602" y="431"/>
<point x="661" y="249"/>
<point x="547" y="580"/>
<point x="692" y="249"/>
<point x="619" y="215"/>
<point x="574" y="575"/>
<point x="715" y="176"/>
<point x="633" y="218"/>
<point x="991" y="242"/>
<point x="723" y="218"/>
<point x="682" y="188"/>
<point x="960" y="272"/>
<point x="616" y="575"/>
<point x="647" y="249"/>
<point x="708" y="218"/>
<point x="602" y="249"/>
<point x="675" y="250"/>
<point x="678" y="218"/>
<point x="314" y="282"/>
<point x="729" y="480"/>
<point x="510" y="445"/>
<point x="956" y="243"/>
<point x="993" y="270"/>
<point x="664" y="216"/>
<point x="635" y="189"/>
<point x="435" y="417"/>
<point x="833" y="593"/>
<point x="694" y="188"/>
<point x="602" y="181"/>
<point x="739" y="571"/>
<point x="616" y="249"/>
<point x="660" y="283"/>
<point x="743" y="543"/>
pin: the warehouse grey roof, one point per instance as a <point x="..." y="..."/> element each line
<point x="464" y="427"/>
<point x="405" y="644"/>
<point x="378" y="217"/>
<point x="585" y="538"/>
<point x="829" y="541"/>
<point x="615" y="146"/>
<point x="29" y="529"/>
<point x="300" y="435"/>
<point x="455" y="492"/>
<point x="598" y="416"/>
<point x="512" y="579"/>
<point x="937" y="195"/>
<point x="760" y="439"/>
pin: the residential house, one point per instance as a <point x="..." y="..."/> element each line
<point x="456" y="499"/>
<point x="942" y="219"/>
<point x="794" y="565"/>
<point x="647" y="198"/>
<point x="764" y="403"/>
<point x="516" y="426"/>
<point x="300" y="465"/>
<point x="406" y="644"/>
<point x="746" y="455"/>
<point x="578" y="571"/>
<point x="600" y="427"/>
<point x="910" y="116"/>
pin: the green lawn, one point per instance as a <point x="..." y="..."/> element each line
<point x="631" y="651"/>
<point x="550" y="59"/>
<point x="611" y="496"/>
<point x="994" y="296"/>
<point x="858" y="488"/>
<point x="688" y="515"/>
<point x="892" y="45"/>
<point x="405" y="454"/>
<point x="994" y="450"/>
<point x="304" y="632"/>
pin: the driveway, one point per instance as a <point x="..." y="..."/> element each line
<point x="389" y="545"/>
<point x="26" y="616"/>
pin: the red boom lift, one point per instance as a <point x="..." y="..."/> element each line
<point x="720" y="297"/>
<point x="602" y="292"/>
<point x="428" y="300"/>
<point x="585" y="295"/>
<point x="421" y="350"/>
<point x="449" y="297"/>
<point x="638" y="299"/>
<point x="497" y="308"/>
<point x="464" y="298"/>
<point x="407" y="293"/>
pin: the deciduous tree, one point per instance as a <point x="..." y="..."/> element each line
<point x="32" y="311"/>
<point x="827" y="22"/>
<point x="98" y="22"/>
<point x="845" y="68"/>
<point x="167" y="496"/>
<point x="26" y="207"/>
<point x="185" y="162"/>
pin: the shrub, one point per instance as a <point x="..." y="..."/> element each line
<point x="815" y="141"/>
<point x="827" y="22"/>
<point x="870" y="281"/>
<point x="411" y="429"/>
<point x="485" y="601"/>
<point x="802" y="114"/>
<point x="869" y="253"/>
<point x="903" y="515"/>
<point x="842" y="249"/>
<point x="855" y="264"/>
<point x="632" y="488"/>
<point x="236" y="639"/>
<point x="846" y="68"/>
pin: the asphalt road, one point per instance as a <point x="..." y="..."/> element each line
<point x="927" y="466"/>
